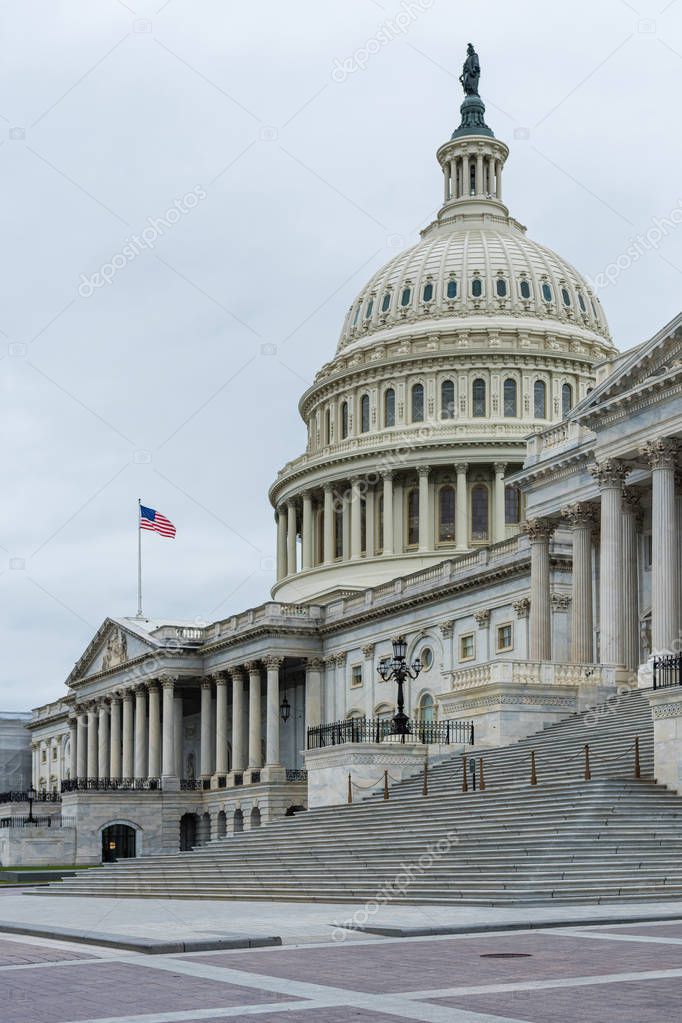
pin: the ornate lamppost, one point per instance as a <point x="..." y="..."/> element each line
<point x="31" y="796"/>
<point x="398" y="670"/>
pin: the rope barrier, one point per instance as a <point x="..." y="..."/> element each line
<point x="481" y="781"/>
<point x="533" y="772"/>
<point x="588" y="773"/>
<point x="425" y="787"/>
<point x="465" y="785"/>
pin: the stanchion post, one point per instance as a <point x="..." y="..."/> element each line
<point x="385" y="784"/>
<point x="465" y="784"/>
<point x="588" y="772"/>
<point x="533" y="772"/>
<point x="480" y="774"/>
<point x="350" y="789"/>
<point x="638" y="770"/>
<point x="425" y="789"/>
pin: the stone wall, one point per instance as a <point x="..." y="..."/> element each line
<point x="38" y="847"/>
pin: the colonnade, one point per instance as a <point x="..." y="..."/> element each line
<point x="365" y="517"/>
<point x="472" y="174"/>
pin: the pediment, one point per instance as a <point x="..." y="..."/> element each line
<point x="112" y="646"/>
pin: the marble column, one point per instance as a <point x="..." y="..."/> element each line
<point x="255" y="754"/>
<point x="307" y="532"/>
<point x="73" y="747"/>
<point x="178" y="742"/>
<point x="128" y="741"/>
<point x="389" y="539"/>
<point x="356" y="518"/>
<point x="115" y="738"/>
<point x="140" y="732"/>
<point x="238" y="738"/>
<point x="461" y="507"/>
<point x="328" y="545"/>
<point x="522" y="611"/>
<point x="480" y="189"/>
<point x="425" y="524"/>
<point x="499" y="527"/>
<point x="206" y="760"/>
<point x="370" y="519"/>
<point x="539" y="533"/>
<point x="103" y="740"/>
<point x="92" y="741"/>
<point x="221" y="759"/>
<point x="661" y="455"/>
<point x="168" y="740"/>
<point x="82" y="751"/>
<point x="631" y="527"/>
<point x="313" y="692"/>
<point x="281" y="542"/>
<point x="610" y="475"/>
<point x="291" y="537"/>
<point x="581" y="520"/>
<point x="154" y="765"/>
<point x="272" y="665"/>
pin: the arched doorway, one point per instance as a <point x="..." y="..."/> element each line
<point x="188" y="831"/>
<point x="222" y="824"/>
<point x="238" y="821"/>
<point x="255" y="817"/>
<point x="118" y="842"/>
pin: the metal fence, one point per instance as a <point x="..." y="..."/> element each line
<point x="667" y="671"/>
<point x="111" y="784"/>
<point x="444" y="733"/>
<point x="37" y="821"/>
<point x="22" y="797"/>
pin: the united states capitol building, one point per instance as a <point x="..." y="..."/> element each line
<point x="485" y="474"/>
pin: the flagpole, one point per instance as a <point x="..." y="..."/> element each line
<point x="139" y="560"/>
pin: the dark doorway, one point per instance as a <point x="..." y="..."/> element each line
<point x="118" y="842"/>
<point x="188" y="831"/>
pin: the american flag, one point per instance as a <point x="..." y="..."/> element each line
<point x="158" y="523"/>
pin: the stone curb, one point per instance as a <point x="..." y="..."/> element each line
<point x="147" y="946"/>
<point x="515" y="925"/>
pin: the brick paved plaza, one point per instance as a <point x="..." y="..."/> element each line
<point x="625" y="973"/>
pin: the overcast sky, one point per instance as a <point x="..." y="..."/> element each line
<point x="295" y="143"/>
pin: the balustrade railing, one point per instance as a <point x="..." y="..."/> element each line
<point x="667" y="671"/>
<point x="111" y="785"/>
<point x="296" y="774"/>
<point x="356" y="730"/>
<point x="191" y="784"/>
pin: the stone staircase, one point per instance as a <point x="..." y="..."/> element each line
<point x="613" y="838"/>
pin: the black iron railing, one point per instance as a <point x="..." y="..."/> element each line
<point x="37" y="821"/>
<point x="191" y="784"/>
<point x="22" y="797"/>
<point x="667" y="671"/>
<point x="296" y="774"/>
<point x="111" y="785"/>
<point x="444" y="733"/>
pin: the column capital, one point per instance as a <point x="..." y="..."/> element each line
<point x="252" y="667"/>
<point x="340" y="659"/>
<point x="446" y="628"/>
<point x="521" y="607"/>
<point x="237" y="673"/>
<point x="316" y="663"/>
<point x="539" y="530"/>
<point x="387" y="474"/>
<point x="461" y="468"/>
<point x="328" y="488"/>
<point x="500" y="468"/>
<point x="207" y="683"/>
<point x="610" y="474"/>
<point x="482" y="618"/>
<point x="560" y="601"/>
<point x="273" y="661"/>
<point x="661" y="453"/>
<point x="221" y="678"/>
<point x="579" y="514"/>
<point x="368" y="651"/>
<point x="168" y="681"/>
<point x="423" y="470"/>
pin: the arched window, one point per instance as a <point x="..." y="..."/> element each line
<point x="524" y="288"/>
<point x="428" y="292"/>
<point x="357" y="314"/>
<point x="479" y="512"/>
<point x="566" y="399"/>
<point x="327" y="427"/>
<point x="389" y="407"/>
<point x="501" y="287"/>
<point x="368" y="310"/>
<point x="386" y="302"/>
<point x="338" y="532"/>
<point x="547" y="292"/>
<point x="412" y="517"/>
<point x="510" y="398"/>
<point x="477" y="287"/>
<point x="418" y="403"/>
<point x="565" y="296"/>
<point x="344" y="420"/>
<point x="478" y="396"/>
<point x="452" y="289"/>
<point x="363" y="526"/>
<point x="406" y="296"/>
<point x="364" y="413"/>
<point x="426" y="708"/>
<point x="447" y="399"/>
<point x="446" y="514"/>
<point x="512" y="505"/>
<point x="540" y="399"/>
<point x="582" y="302"/>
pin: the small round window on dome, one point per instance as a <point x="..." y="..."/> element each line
<point x="565" y="296"/>
<point x="477" y="287"/>
<point x="524" y="288"/>
<point x="368" y="310"/>
<point x="547" y="292"/>
<point x="501" y="287"/>
<point x="426" y="657"/>
<point x="406" y="296"/>
<point x="386" y="302"/>
<point x="452" y="289"/>
<point x="428" y="292"/>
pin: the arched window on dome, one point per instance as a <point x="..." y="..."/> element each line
<point x="417" y="403"/>
<point x="427" y="294"/>
<point x="344" y="420"/>
<point x="368" y="310"/>
<point x="540" y="399"/>
<point x="477" y="287"/>
<point x="524" y="288"/>
<point x="364" y="413"/>
<point x="327" y="427"/>
<point x="338" y="530"/>
<point x="566" y="399"/>
<point x="547" y="292"/>
<point x="478" y="398"/>
<point x="501" y="287"/>
<point x="357" y="314"/>
<point x="446" y="514"/>
<point x="581" y="300"/>
<point x="565" y="297"/>
<point x="510" y="401"/>
<point x="512" y="505"/>
<point x="389" y="407"/>
<point x="412" y="517"/>
<point x="447" y="399"/>
<point x="406" y="296"/>
<point x="479" y="513"/>
<point x="452" y="288"/>
<point x="386" y="302"/>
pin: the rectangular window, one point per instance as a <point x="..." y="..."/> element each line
<point x="467" y="647"/>
<point x="356" y="676"/>
<point x="505" y="639"/>
<point x="43" y="757"/>
<point x="54" y="753"/>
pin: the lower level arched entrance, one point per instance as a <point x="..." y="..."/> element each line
<point x="188" y="831"/>
<point x="118" y="842"/>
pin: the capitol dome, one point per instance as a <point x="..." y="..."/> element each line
<point x="451" y="355"/>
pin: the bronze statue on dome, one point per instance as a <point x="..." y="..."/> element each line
<point x="471" y="72"/>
